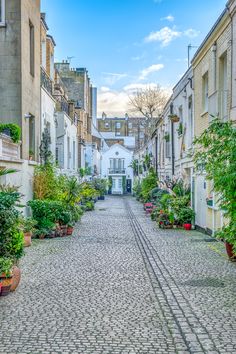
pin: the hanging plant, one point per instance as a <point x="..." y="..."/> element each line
<point x="180" y="129"/>
<point x="174" y="118"/>
<point x="167" y="137"/>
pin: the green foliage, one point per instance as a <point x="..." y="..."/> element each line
<point x="100" y="185"/>
<point x="88" y="193"/>
<point x="6" y="171"/>
<point x="147" y="162"/>
<point x="124" y="184"/>
<point x="148" y="183"/>
<point x="14" y="131"/>
<point x="134" y="166"/>
<point x="46" y="183"/>
<point x="89" y="205"/>
<point x="137" y="188"/>
<point x="28" y="224"/>
<point x="186" y="215"/>
<point x="215" y="149"/>
<point x="5" y="266"/>
<point x="44" y="148"/>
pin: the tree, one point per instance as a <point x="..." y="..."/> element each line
<point x="215" y="153"/>
<point x="150" y="102"/>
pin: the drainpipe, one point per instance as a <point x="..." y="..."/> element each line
<point x="172" y="142"/>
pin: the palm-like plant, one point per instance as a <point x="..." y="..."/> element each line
<point x="5" y="171"/>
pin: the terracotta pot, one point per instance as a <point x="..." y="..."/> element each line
<point x="16" y="276"/>
<point x="27" y="239"/>
<point x="188" y="227"/>
<point x="230" y="251"/>
<point x="6" y="284"/>
<point x="70" y="230"/>
<point x="64" y="230"/>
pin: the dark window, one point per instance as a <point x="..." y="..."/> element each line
<point x="31" y="32"/>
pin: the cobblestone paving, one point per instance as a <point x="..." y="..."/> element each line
<point x="120" y="285"/>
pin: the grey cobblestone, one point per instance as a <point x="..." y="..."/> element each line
<point x="92" y="293"/>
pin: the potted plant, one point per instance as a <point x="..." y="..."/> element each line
<point x="6" y="265"/>
<point x="12" y="130"/>
<point x="185" y="217"/>
<point x="174" y="118"/>
<point x="64" y="220"/>
<point x="31" y="155"/>
<point x="180" y="129"/>
<point x="28" y="227"/>
<point x="167" y="137"/>
<point x="70" y="229"/>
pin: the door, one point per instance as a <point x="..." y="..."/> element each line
<point x="117" y="185"/>
<point x="128" y="185"/>
<point x="200" y="201"/>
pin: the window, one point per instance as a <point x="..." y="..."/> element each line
<point x="223" y="86"/>
<point x="32" y="135"/>
<point x="118" y="125"/>
<point x="205" y="92"/>
<point x="2" y="12"/>
<point x="31" y="32"/>
<point x="117" y="133"/>
<point x="130" y="125"/>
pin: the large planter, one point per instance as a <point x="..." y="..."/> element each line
<point x="16" y="276"/>
<point x="187" y="227"/>
<point x="230" y="251"/>
<point x="27" y="239"/>
<point x="6" y="283"/>
<point x="174" y="118"/>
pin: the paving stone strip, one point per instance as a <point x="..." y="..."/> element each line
<point x="186" y="321"/>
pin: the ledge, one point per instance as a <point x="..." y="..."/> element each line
<point x="11" y="159"/>
<point x="204" y="113"/>
<point x="32" y="163"/>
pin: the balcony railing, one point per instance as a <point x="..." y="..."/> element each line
<point x="46" y="82"/>
<point x="117" y="171"/>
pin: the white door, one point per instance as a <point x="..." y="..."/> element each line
<point x="200" y="201"/>
<point x="117" y="185"/>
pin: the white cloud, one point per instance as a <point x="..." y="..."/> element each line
<point x="111" y="78"/>
<point x="151" y="69"/>
<point x="137" y="86"/>
<point x="191" y="33"/>
<point x="164" y="35"/>
<point x="113" y="103"/>
<point x="105" y="89"/>
<point x="169" y="18"/>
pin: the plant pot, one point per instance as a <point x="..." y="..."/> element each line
<point x="16" y="276"/>
<point x="27" y="239"/>
<point x="64" y="230"/>
<point x="174" y="118"/>
<point x="6" y="284"/>
<point x="210" y="202"/>
<point x="42" y="237"/>
<point x="187" y="227"/>
<point x="52" y="234"/>
<point x="230" y="251"/>
<point x="70" y="230"/>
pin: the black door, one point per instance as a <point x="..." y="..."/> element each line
<point x="129" y="185"/>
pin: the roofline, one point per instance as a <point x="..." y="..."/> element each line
<point x="52" y="39"/>
<point x="210" y="33"/>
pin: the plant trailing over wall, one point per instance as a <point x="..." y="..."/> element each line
<point x="180" y="129"/>
<point x="167" y="137"/>
<point x="13" y="130"/>
<point x="215" y="149"/>
<point x="44" y="148"/>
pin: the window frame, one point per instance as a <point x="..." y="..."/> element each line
<point x="3" y="13"/>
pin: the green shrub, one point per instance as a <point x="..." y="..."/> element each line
<point x="14" y="131"/>
<point x="5" y="266"/>
<point x="89" y="205"/>
<point x="147" y="185"/>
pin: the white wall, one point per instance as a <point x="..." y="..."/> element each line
<point x="66" y="139"/>
<point x="47" y="117"/>
<point x="111" y="154"/>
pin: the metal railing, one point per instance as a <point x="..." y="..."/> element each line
<point x="46" y="82"/>
<point x="117" y="171"/>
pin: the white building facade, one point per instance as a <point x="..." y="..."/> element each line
<point x="115" y="166"/>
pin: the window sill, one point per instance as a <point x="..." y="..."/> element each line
<point x="3" y="25"/>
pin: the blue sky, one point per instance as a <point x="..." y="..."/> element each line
<point x="129" y="43"/>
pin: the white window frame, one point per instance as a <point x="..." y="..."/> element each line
<point x="3" y="14"/>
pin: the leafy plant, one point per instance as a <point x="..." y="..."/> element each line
<point x="186" y="215"/>
<point x="5" y="266"/>
<point x="44" y="148"/>
<point x="89" y="205"/>
<point x="180" y="129"/>
<point x="167" y="137"/>
<point x="28" y="224"/>
<point x="215" y="149"/>
<point x="147" y="184"/>
<point x="46" y="183"/>
<point x="14" y="131"/>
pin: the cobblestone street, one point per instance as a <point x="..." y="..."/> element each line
<point x="121" y="285"/>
